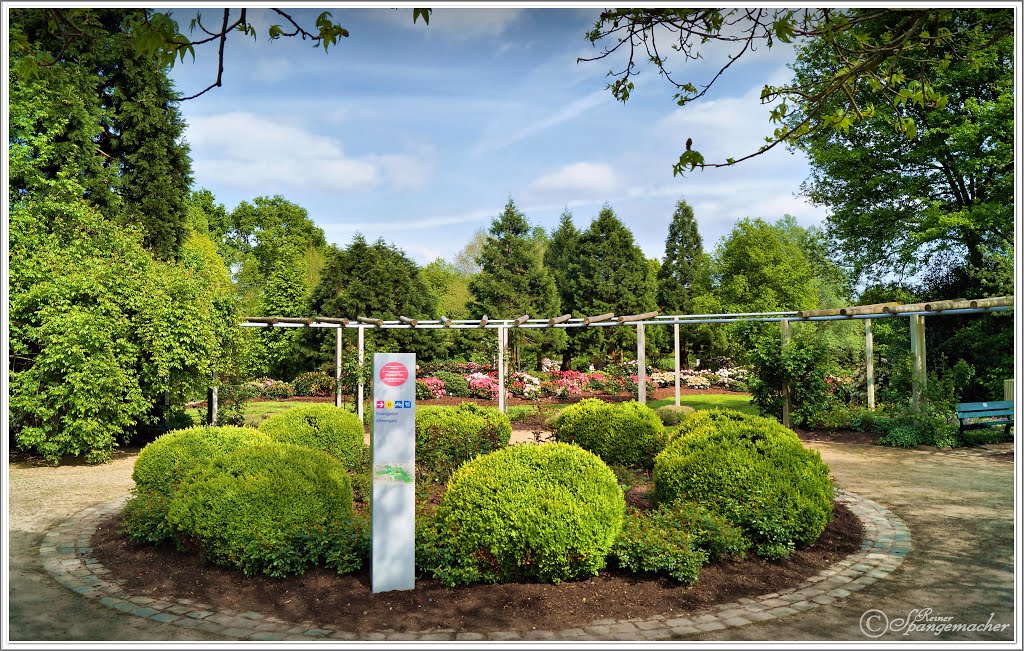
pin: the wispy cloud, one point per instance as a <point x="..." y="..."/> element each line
<point x="454" y="24"/>
<point x="568" y="112"/>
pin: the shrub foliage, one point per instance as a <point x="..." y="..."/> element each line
<point x="337" y="432"/>
<point x="446" y="437"/>
<point x="754" y="472"/>
<point x="271" y="509"/>
<point x="626" y="433"/>
<point x="545" y="512"/>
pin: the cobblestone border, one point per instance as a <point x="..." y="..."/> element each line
<point x="67" y="556"/>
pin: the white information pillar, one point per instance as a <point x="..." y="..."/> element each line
<point x="394" y="470"/>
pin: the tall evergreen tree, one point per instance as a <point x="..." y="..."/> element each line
<point x="612" y="276"/>
<point x="559" y="256"/>
<point x="512" y="282"/>
<point x="684" y="272"/>
<point x="112" y="122"/>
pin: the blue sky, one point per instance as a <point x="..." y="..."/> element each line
<point x="420" y="134"/>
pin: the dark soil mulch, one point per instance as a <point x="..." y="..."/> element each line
<point x="838" y="436"/>
<point x="347" y="602"/>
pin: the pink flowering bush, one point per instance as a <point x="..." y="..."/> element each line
<point x="429" y="388"/>
<point x="524" y="385"/>
<point x="482" y="386"/>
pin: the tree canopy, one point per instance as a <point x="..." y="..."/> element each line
<point x="891" y="67"/>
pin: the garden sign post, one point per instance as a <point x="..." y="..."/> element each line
<point x="394" y="469"/>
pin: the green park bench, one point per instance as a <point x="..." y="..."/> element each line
<point x="975" y="415"/>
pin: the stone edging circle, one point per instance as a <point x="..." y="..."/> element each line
<point x="67" y="556"/>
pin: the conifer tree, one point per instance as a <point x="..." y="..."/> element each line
<point x="558" y="259"/>
<point x="513" y="282"/>
<point x="684" y="272"/>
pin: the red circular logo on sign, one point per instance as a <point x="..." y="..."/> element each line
<point x="394" y="374"/>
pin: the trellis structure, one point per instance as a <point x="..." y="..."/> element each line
<point x="916" y="312"/>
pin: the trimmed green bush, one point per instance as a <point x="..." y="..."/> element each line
<point x="671" y="415"/>
<point x="162" y="463"/>
<point x="272" y="509"/>
<point x="323" y="427"/>
<point x="546" y="512"/>
<point x="446" y="437"/>
<point x="752" y="471"/>
<point x="161" y="467"/>
<point x="625" y="433"/>
<point x="455" y="384"/>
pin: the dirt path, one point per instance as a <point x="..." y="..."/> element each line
<point x="958" y="506"/>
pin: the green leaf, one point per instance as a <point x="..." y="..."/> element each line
<point x="421" y="13"/>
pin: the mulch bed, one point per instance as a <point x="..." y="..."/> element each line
<point x="347" y="602"/>
<point x="838" y="436"/>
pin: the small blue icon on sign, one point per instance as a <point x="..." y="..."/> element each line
<point x="407" y="404"/>
<point x="398" y="404"/>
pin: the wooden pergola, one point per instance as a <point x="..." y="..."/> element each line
<point x="916" y="312"/>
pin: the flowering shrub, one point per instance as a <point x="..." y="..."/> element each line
<point x="524" y="385"/>
<point x="268" y="388"/>
<point x="697" y="382"/>
<point x="482" y="386"/>
<point x="569" y="383"/>
<point x="458" y="367"/>
<point x="428" y="388"/>
<point x="314" y="383"/>
<point x="597" y="381"/>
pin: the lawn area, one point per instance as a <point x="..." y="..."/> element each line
<point x="738" y="401"/>
<point x="259" y="411"/>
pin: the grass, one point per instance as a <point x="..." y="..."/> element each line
<point x="255" y="412"/>
<point x="738" y="401"/>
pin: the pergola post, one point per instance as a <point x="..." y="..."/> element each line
<point x="787" y="399"/>
<point x="675" y="333"/>
<point x="502" y="347"/>
<point x="362" y="356"/>
<point x="869" y="359"/>
<point x="641" y="365"/>
<point x="919" y="366"/>
<point x="337" y="367"/>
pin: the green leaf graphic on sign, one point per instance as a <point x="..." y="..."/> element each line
<point x="397" y="473"/>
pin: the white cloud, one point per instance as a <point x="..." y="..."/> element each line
<point x="259" y="155"/>
<point x="245" y="151"/>
<point x="578" y="177"/>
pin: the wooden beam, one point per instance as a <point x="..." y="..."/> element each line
<point x="369" y="321"/>
<point x="600" y="317"/>
<point x="901" y="309"/>
<point x="521" y="320"/>
<point x="953" y="304"/>
<point x="559" y="319"/>
<point x="638" y="317"/>
<point x="409" y="321"/>
<point x="874" y="308"/>
<point x="998" y="301"/>
<point x="325" y="319"/>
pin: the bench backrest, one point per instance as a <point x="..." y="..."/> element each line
<point x="1000" y="407"/>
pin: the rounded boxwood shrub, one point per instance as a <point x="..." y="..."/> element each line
<point x="547" y="512"/>
<point x="446" y="437"/>
<point x="162" y="463"/>
<point x="752" y="471"/>
<point x="625" y="433"/>
<point x="455" y="384"/>
<point x="671" y="415"/>
<point x="271" y="509"/>
<point x="323" y="427"/>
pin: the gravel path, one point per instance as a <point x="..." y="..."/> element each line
<point x="959" y="507"/>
